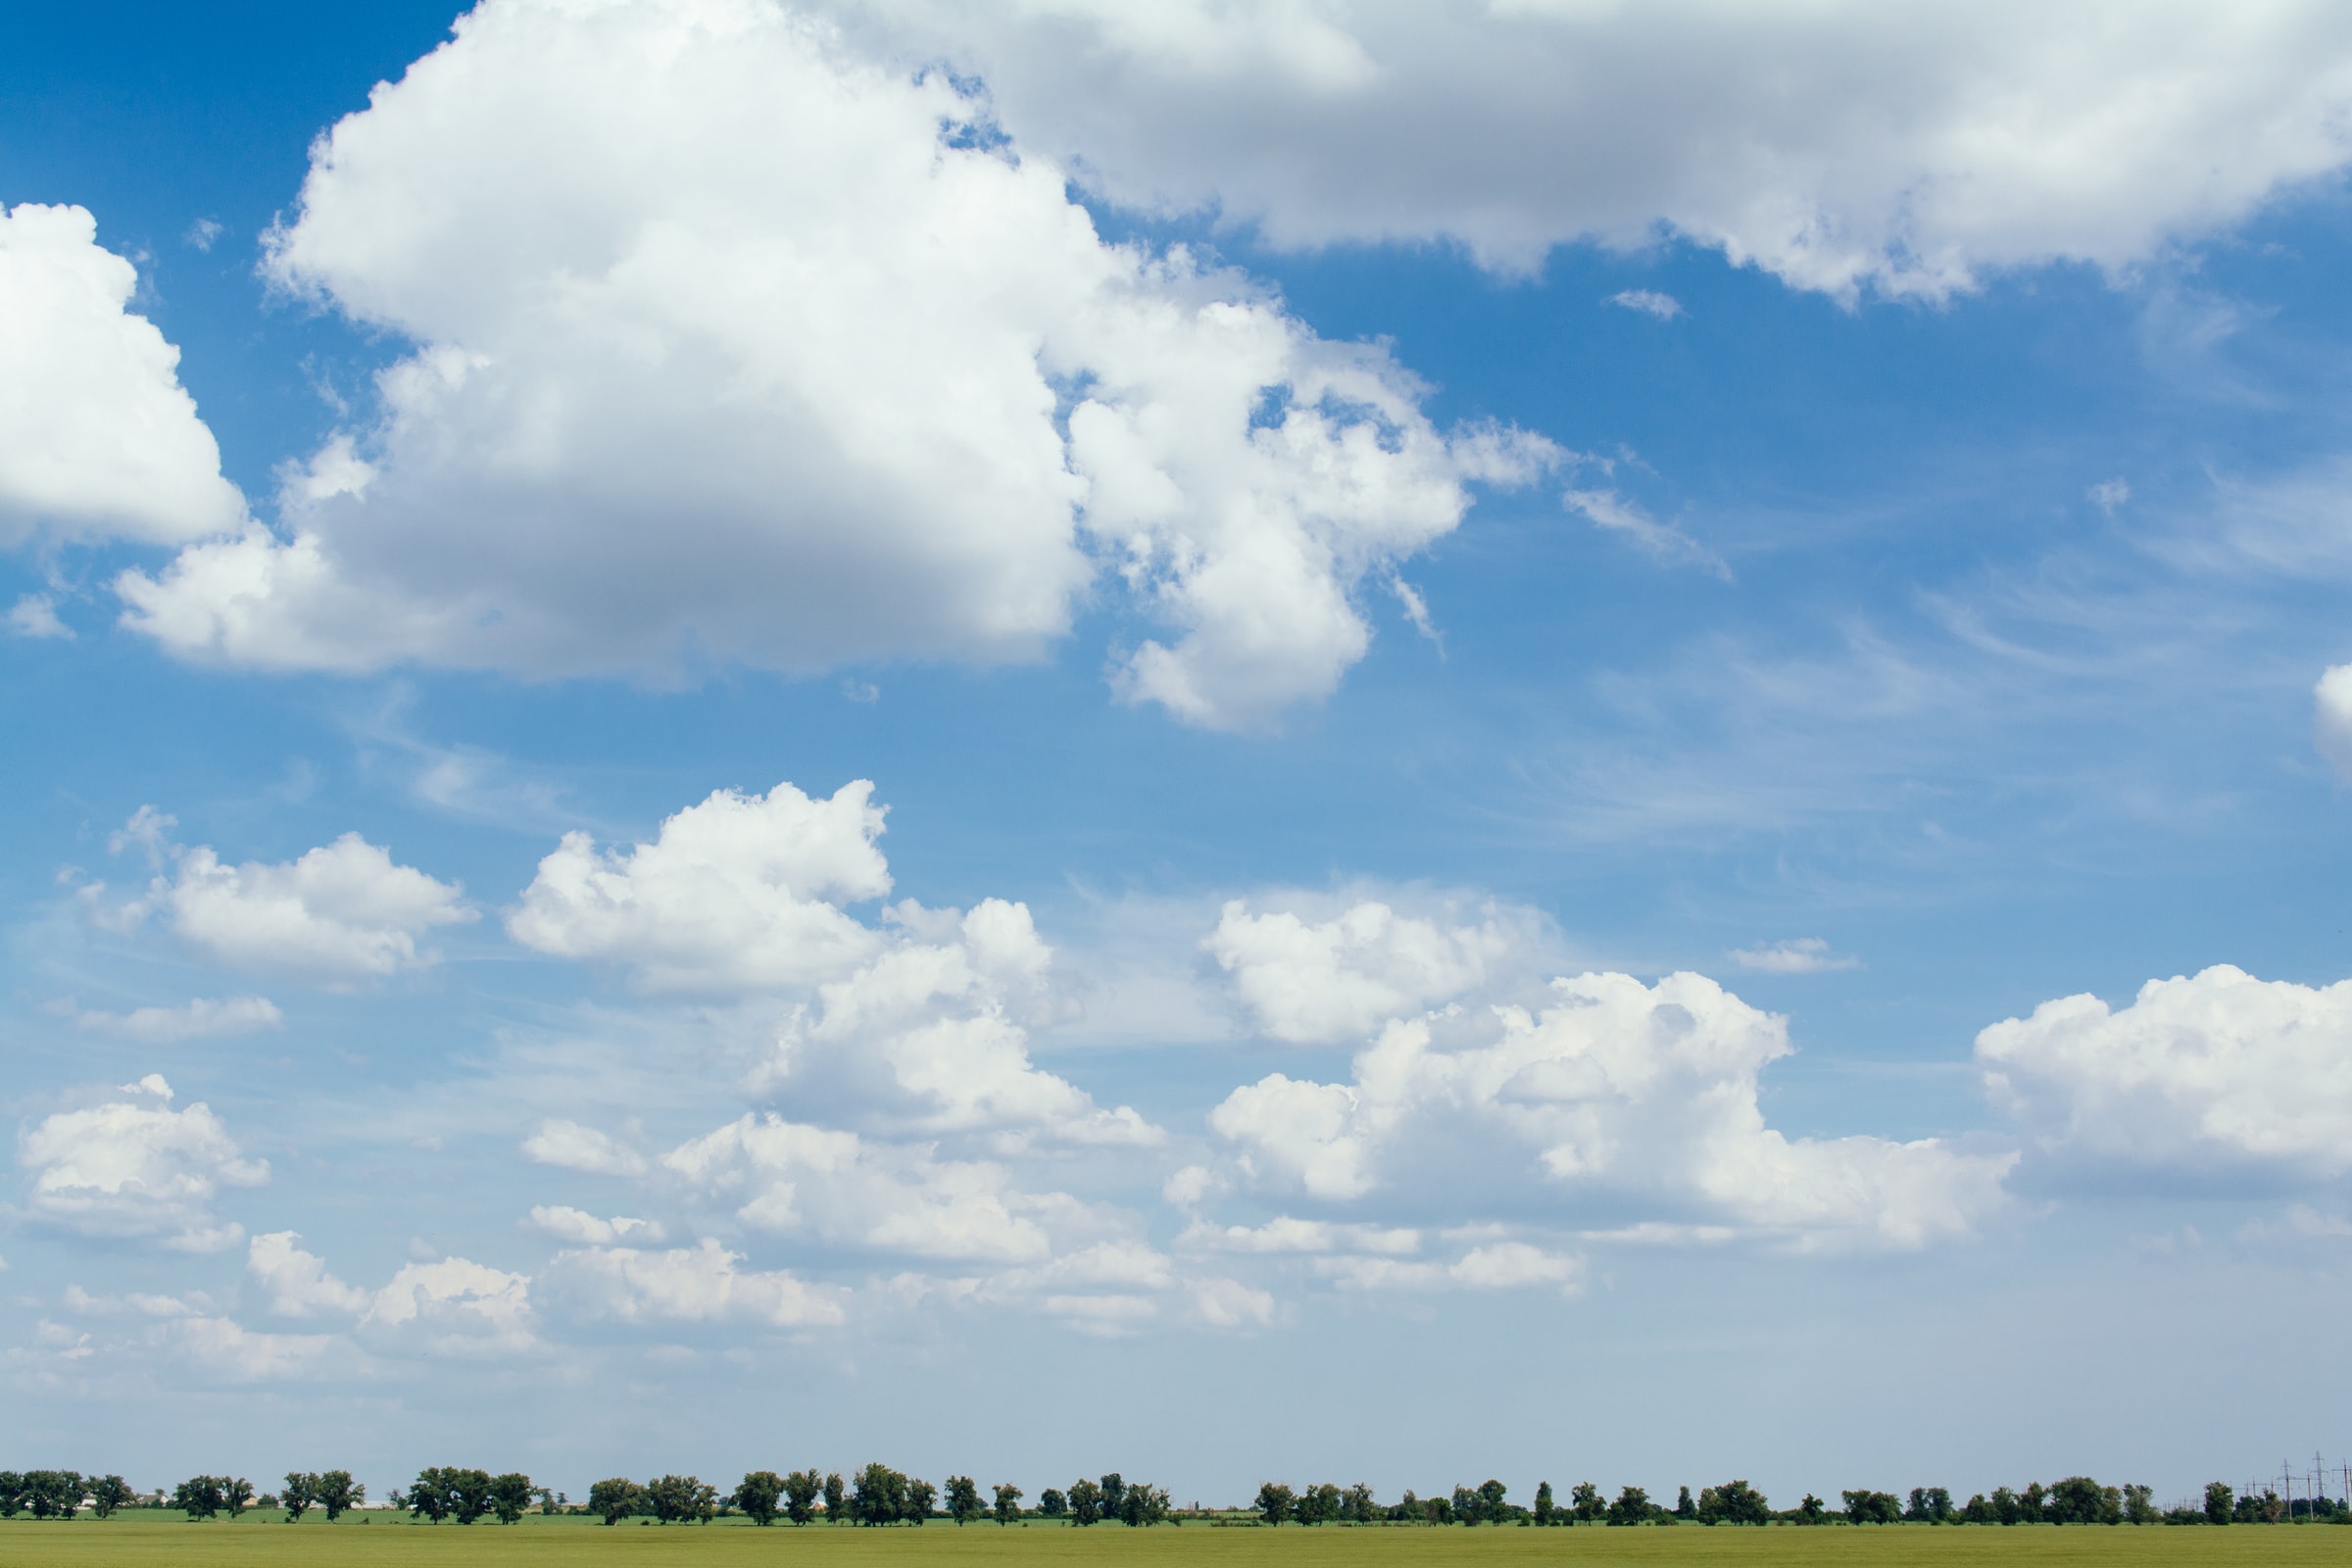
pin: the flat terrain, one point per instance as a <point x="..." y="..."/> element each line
<point x="148" y="1539"/>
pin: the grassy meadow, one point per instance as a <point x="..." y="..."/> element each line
<point x="146" y="1537"/>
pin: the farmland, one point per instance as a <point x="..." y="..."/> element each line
<point x="145" y="1537"/>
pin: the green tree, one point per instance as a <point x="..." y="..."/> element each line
<point x="921" y="1496"/>
<point x="1734" y="1503"/>
<point x="334" y="1491"/>
<point x="1683" y="1508"/>
<point x="615" y="1498"/>
<point x="1052" y="1505"/>
<point x="681" y="1499"/>
<point x="1811" y="1511"/>
<point x="11" y="1493"/>
<point x="52" y="1493"/>
<point x="1316" y="1506"/>
<point x="509" y="1496"/>
<point x="468" y="1492"/>
<point x="1274" y="1501"/>
<point x="1114" y="1495"/>
<point x="1867" y="1507"/>
<point x="758" y="1494"/>
<point x="881" y="1497"/>
<point x="1547" y="1510"/>
<point x="2007" y="1506"/>
<point x="1631" y="1508"/>
<point x="237" y="1495"/>
<point x="199" y="1497"/>
<point x="431" y="1496"/>
<point x="301" y="1490"/>
<point x="2029" y="1502"/>
<point x="801" y="1489"/>
<point x="1928" y="1506"/>
<point x="963" y="1500"/>
<point x="1008" y="1503"/>
<point x="1492" y="1504"/>
<point x="1978" y="1512"/>
<point x="2220" y="1502"/>
<point x="109" y="1492"/>
<point x="1142" y="1505"/>
<point x="1086" y="1503"/>
<point x="2139" y="1505"/>
<point x="836" y="1499"/>
<point x="1584" y="1503"/>
<point x="2080" y="1500"/>
<point x="1360" y="1505"/>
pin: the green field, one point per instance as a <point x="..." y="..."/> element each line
<point x="149" y="1539"/>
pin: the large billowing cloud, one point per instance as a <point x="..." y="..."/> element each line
<point x="97" y="438"/>
<point x="735" y="346"/>
<point x="1617" y="1107"/>
<point x="1838" y="143"/>
<point x="1321" y="981"/>
<point x="2218" y="1072"/>
<point x="134" y="1168"/>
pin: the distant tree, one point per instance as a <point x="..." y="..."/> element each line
<point x="920" y="1496"/>
<point x="1584" y="1503"/>
<point x="1810" y="1513"/>
<point x="1317" y="1504"/>
<point x="758" y="1494"/>
<point x="334" y="1491"/>
<point x="109" y="1492"/>
<point x="52" y="1493"/>
<point x="836" y="1499"/>
<point x="1086" y="1503"/>
<point x="2219" y="1503"/>
<point x="1144" y="1504"/>
<point x="1734" y="1503"/>
<point x="1683" y="1508"/>
<point x="1867" y="1507"/>
<point x="11" y="1493"/>
<point x="1008" y="1503"/>
<point x="236" y="1493"/>
<point x="801" y="1489"/>
<point x="1544" y="1504"/>
<point x="509" y="1496"/>
<point x="881" y="1495"/>
<point x="1274" y="1501"/>
<point x="1052" y="1505"/>
<point x="2267" y="1509"/>
<point x="2029" y="1502"/>
<point x="430" y="1496"/>
<point x="2007" y="1506"/>
<point x="468" y="1492"/>
<point x="1631" y="1508"/>
<point x="199" y="1496"/>
<point x="963" y="1500"/>
<point x="1361" y="1506"/>
<point x="1437" y="1510"/>
<point x="2139" y="1505"/>
<point x="615" y="1498"/>
<point x="681" y="1499"/>
<point x="1928" y="1506"/>
<point x="1114" y="1495"/>
<point x="1466" y="1506"/>
<point x="301" y="1490"/>
<point x="2080" y="1500"/>
<point x="546" y="1499"/>
<point x="1977" y="1511"/>
<point x="1492" y="1504"/>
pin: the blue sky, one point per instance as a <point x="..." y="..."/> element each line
<point x="1541" y="718"/>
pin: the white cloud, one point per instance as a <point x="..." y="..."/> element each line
<point x="1618" y="1099"/>
<point x="1661" y="541"/>
<point x="341" y="912"/>
<point x="699" y="1283"/>
<point x="738" y="893"/>
<point x="237" y="1354"/>
<point x="97" y="438"/>
<point x="35" y="616"/>
<point x="578" y="1225"/>
<point x="455" y="1306"/>
<point x="1650" y="302"/>
<point x="1495" y="1266"/>
<point x="2108" y="495"/>
<point x="1288" y="1234"/>
<point x="198" y="1018"/>
<point x="569" y="1146"/>
<point x="297" y="1282"/>
<point x="2331" y="719"/>
<point x="2215" y="1071"/>
<point x="1840" y="145"/>
<point x="743" y="359"/>
<point x="130" y="1168"/>
<point x="1332" y="980"/>
<point x="1798" y="956"/>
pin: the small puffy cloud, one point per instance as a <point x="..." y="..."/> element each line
<point x="455" y="1306"/>
<point x="35" y="616"/>
<point x="1320" y="982"/>
<point x="297" y="1282"/>
<point x="2215" y="1072"/>
<point x="854" y="386"/>
<point x="1798" y="956"/>
<point x="569" y="1146"/>
<point x="1618" y="1099"/>
<point x="1288" y="1234"/>
<point x="136" y="1169"/>
<point x="1497" y="1266"/>
<point x="2331" y="719"/>
<point x="97" y="437"/>
<point x="1650" y="302"/>
<point x="199" y="1019"/>
<point x="701" y="1284"/>
<point x="578" y="1225"/>
<point x="738" y="893"/>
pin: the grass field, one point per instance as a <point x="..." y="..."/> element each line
<point x="148" y="1539"/>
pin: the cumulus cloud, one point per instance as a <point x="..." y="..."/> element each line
<point x="342" y="912"/>
<point x="1650" y="302"/>
<point x="136" y="1169"/>
<point x="455" y="1306"/>
<point x="2331" y="719"/>
<point x="578" y="1225"/>
<point x="738" y="893"/>
<point x="97" y="437"/>
<point x="297" y="1282"/>
<point x="569" y="1146"/>
<point x="2215" y="1072"/>
<point x="1495" y="1266"/>
<point x="700" y="1284"/>
<point x="35" y="616"/>
<point x="198" y="1018"/>
<point x="1618" y="1102"/>
<point x="1842" y="146"/>
<point x="1318" y="982"/>
<point x="736" y="344"/>
<point x="1796" y="955"/>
